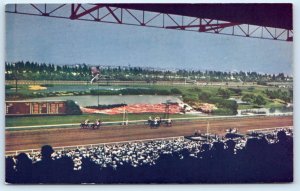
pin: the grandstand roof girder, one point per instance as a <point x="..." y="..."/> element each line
<point x="188" y="17"/>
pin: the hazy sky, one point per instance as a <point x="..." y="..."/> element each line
<point x="61" y="41"/>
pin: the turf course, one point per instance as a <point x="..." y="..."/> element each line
<point x="66" y="119"/>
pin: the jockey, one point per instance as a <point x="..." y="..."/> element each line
<point x="155" y="121"/>
<point x="98" y="122"/>
<point x="150" y="120"/>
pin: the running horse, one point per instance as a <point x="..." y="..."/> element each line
<point x="96" y="125"/>
<point x="85" y="124"/>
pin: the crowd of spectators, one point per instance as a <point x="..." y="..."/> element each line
<point x="256" y="157"/>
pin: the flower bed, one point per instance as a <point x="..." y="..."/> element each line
<point x="136" y="108"/>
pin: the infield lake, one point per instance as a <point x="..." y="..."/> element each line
<point x="92" y="100"/>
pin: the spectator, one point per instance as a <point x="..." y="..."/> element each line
<point x="170" y="160"/>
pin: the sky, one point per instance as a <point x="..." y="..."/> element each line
<point x="62" y="41"/>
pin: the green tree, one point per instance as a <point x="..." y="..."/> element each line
<point x="204" y="96"/>
<point x="224" y="93"/>
<point x="175" y="91"/>
<point x="248" y="98"/>
<point x="259" y="100"/>
<point x="72" y="108"/>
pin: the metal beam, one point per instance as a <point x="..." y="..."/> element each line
<point x="150" y="19"/>
<point x="74" y="14"/>
<point x="203" y="28"/>
<point x="113" y="14"/>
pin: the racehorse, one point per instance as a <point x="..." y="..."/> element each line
<point x="84" y="125"/>
<point x="154" y="123"/>
<point x="168" y="123"/>
<point x="96" y="125"/>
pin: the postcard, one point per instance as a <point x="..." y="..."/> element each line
<point x="148" y="93"/>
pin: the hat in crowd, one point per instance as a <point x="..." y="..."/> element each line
<point x="47" y="150"/>
<point x="22" y="156"/>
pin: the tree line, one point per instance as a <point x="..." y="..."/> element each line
<point x="41" y="71"/>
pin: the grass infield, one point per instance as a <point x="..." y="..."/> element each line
<point x="67" y="119"/>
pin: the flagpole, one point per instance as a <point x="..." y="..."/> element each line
<point x="98" y="95"/>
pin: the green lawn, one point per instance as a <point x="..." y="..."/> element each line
<point x="50" y="120"/>
<point x="240" y="106"/>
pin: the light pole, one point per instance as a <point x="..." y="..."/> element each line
<point x="125" y="114"/>
<point x="207" y="130"/>
<point x="98" y="95"/>
<point x="167" y="109"/>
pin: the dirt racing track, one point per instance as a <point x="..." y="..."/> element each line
<point x="34" y="139"/>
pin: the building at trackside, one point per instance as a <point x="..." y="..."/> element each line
<point x="20" y="108"/>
